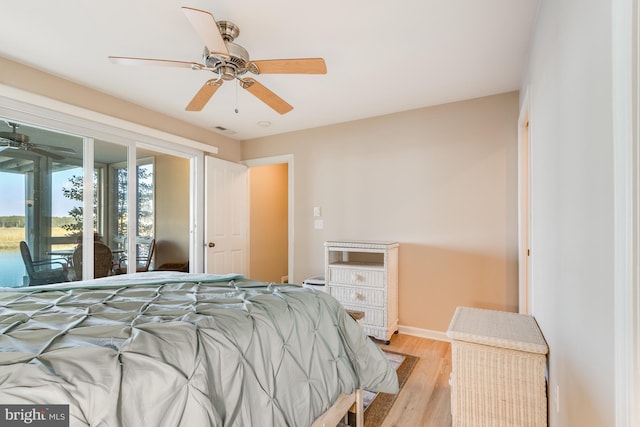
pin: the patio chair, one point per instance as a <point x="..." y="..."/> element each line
<point x="43" y="272"/>
<point x="102" y="260"/>
<point x="143" y="262"/>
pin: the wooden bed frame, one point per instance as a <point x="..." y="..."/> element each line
<point x="338" y="411"/>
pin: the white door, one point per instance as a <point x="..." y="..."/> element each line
<point x="226" y="217"/>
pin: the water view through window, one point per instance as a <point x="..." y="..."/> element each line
<point x="13" y="205"/>
<point x="41" y="205"/>
<point x="11" y="231"/>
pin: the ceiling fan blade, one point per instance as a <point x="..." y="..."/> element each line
<point x="125" y="60"/>
<point x="265" y="95"/>
<point x="291" y="66"/>
<point x="54" y="148"/>
<point x="205" y="25"/>
<point x="46" y="153"/>
<point x="204" y="95"/>
<point x="44" y="150"/>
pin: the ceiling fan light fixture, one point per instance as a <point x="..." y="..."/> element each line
<point x="227" y="73"/>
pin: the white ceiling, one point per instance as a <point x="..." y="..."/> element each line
<point x="382" y="57"/>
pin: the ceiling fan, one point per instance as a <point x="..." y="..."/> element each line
<point x="229" y="61"/>
<point x="20" y="141"/>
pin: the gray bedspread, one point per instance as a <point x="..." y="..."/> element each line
<point x="177" y="349"/>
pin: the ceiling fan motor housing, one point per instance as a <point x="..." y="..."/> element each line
<point x="228" y="67"/>
<point x="14" y="136"/>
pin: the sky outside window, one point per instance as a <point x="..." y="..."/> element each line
<point x="12" y="194"/>
<point x="13" y="202"/>
<point x="60" y="205"/>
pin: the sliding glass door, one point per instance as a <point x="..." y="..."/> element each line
<point x="46" y="178"/>
<point x="36" y="206"/>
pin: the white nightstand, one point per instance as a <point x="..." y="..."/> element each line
<point x="363" y="276"/>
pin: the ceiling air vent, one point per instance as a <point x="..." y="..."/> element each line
<point x="224" y="130"/>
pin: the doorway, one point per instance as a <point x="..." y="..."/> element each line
<point x="271" y="219"/>
<point x="268" y="223"/>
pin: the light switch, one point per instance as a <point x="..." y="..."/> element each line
<point x="317" y="211"/>
<point x="318" y="224"/>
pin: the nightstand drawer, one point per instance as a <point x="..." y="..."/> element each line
<point x="357" y="296"/>
<point x="372" y="316"/>
<point x="355" y="276"/>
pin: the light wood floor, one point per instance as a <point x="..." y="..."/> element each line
<point x="425" y="399"/>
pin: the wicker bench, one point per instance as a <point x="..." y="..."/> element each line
<point x="498" y="369"/>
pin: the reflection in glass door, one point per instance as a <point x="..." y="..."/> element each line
<point x="144" y="221"/>
<point x="32" y="162"/>
<point x="144" y="217"/>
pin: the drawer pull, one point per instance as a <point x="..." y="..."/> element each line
<point x="357" y="296"/>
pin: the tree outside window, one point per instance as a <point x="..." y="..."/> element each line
<point x="144" y="203"/>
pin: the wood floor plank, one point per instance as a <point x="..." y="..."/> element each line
<point x="425" y="400"/>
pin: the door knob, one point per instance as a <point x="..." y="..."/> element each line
<point x="211" y="245"/>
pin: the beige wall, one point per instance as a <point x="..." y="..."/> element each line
<point x="34" y="81"/>
<point x="172" y="209"/>
<point x="268" y="211"/>
<point x="442" y="181"/>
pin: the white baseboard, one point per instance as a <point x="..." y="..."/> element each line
<point x="424" y="333"/>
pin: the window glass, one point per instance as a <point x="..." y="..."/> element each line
<point x="145" y="209"/>
<point x="42" y="205"/>
<point x="34" y="163"/>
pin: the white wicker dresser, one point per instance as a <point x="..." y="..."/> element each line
<point x="363" y="276"/>
<point x="498" y="369"/>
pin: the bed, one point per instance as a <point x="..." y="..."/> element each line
<point x="180" y="349"/>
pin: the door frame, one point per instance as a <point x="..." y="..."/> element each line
<point x="525" y="290"/>
<point x="276" y="160"/>
<point x="626" y="174"/>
